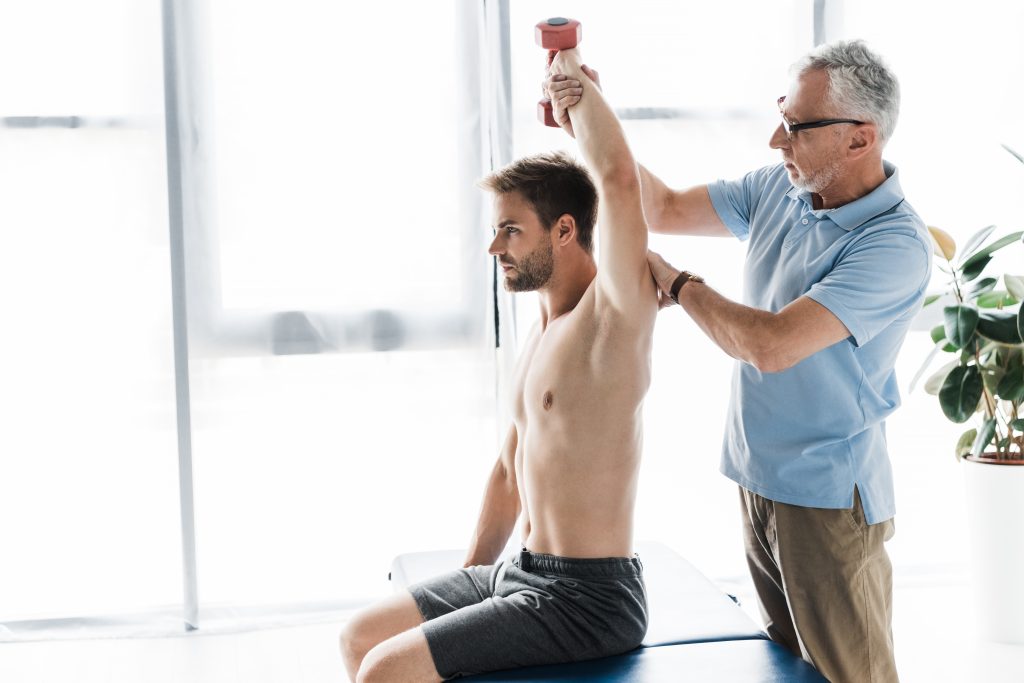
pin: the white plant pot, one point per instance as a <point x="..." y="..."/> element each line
<point x="995" y="522"/>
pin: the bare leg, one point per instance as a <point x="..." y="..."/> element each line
<point x="405" y="657"/>
<point x="374" y="625"/>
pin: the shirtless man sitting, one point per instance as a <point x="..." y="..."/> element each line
<point x="572" y="455"/>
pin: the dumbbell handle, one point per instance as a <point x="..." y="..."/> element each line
<point x="557" y="33"/>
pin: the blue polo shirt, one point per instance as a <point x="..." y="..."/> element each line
<point x="810" y="434"/>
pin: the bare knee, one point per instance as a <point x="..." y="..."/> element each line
<point x="374" y="667"/>
<point x="367" y="673"/>
<point x="406" y="658"/>
<point x="349" y="634"/>
<point x="355" y="641"/>
<point x="375" y="625"/>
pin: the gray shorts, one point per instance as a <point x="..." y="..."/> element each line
<point x="532" y="609"/>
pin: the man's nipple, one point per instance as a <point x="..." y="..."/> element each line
<point x="549" y="400"/>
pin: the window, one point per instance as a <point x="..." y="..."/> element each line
<point x="88" y="467"/>
<point x="342" y="362"/>
<point x="343" y="377"/>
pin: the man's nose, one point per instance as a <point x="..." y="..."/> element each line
<point x="779" y="139"/>
<point x="496" y="249"/>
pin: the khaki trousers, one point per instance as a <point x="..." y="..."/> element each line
<point x="824" y="583"/>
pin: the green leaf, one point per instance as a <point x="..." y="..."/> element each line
<point x="992" y="374"/>
<point x="968" y="352"/>
<point x="1011" y="386"/>
<point x="1020" y="322"/>
<point x="985" y="284"/>
<point x="930" y="299"/>
<point x="1015" y="286"/>
<point x="924" y="366"/>
<point x="1000" y="326"/>
<point x="963" y="446"/>
<point x="1009" y="356"/>
<point x="1019" y="157"/>
<point x="984" y="438"/>
<point x="976" y="240"/>
<point x="996" y="299"/>
<point x="987" y="348"/>
<point x="1018" y="425"/>
<point x="975" y="268"/>
<point x="960" y="324"/>
<point x="985" y="253"/>
<point x="1006" y="357"/>
<point x="960" y="393"/>
<point x="935" y="382"/>
<point x="939" y="334"/>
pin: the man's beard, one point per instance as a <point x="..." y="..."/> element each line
<point x="532" y="271"/>
<point x="822" y="178"/>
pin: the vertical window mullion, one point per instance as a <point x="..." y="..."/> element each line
<point x="175" y="203"/>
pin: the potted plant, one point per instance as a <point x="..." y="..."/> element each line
<point x="982" y="332"/>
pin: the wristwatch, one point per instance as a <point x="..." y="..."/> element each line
<point x="682" y="279"/>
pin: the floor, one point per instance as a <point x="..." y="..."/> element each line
<point x="932" y="630"/>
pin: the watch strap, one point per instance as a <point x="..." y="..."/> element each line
<point x="681" y="279"/>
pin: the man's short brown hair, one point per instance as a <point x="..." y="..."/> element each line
<point x="554" y="184"/>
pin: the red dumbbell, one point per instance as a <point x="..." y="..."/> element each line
<point x="556" y="33"/>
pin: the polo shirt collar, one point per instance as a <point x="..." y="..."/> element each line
<point x="859" y="211"/>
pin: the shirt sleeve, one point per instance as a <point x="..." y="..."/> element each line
<point x="879" y="279"/>
<point x="735" y="201"/>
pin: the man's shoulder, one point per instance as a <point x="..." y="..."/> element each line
<point x="760" y="190"/>
<point x="772" y="179"/>
<point x="897" y="238"/>
<point x="901" y="219"/>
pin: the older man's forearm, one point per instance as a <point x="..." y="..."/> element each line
<point x="747" y="334"/>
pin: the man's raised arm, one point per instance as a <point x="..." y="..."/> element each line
<point x="622" y="269"/>
<point x="672" y="212"/>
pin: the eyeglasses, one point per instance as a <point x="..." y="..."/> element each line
<point x="791" y="128"/>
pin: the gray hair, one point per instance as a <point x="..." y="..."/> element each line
<point x="861" y="84"/>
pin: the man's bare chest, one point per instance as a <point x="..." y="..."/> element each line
<point x="557" y="370"/>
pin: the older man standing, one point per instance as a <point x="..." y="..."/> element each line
<point x="837" y="266"/>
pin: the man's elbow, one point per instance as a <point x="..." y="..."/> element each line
<point x="769" y="354"/>
<point x="507" y="479"/>
<point x="619" y="178"/>
<point x="770" y="363"/>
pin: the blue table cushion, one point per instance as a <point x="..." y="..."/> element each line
<point x="738" y="661"/>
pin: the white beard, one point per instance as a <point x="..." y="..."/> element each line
<point x="820" y="179"/>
